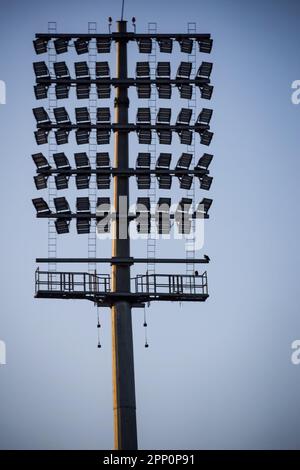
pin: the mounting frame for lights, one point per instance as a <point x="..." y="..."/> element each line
<point x="119" y="291"/>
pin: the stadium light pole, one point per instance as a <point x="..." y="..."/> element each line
<point x="115" y="291"/>
<point x="125" y="429"/>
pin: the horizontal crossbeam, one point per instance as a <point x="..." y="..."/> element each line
<point x="129" y="81"/>
<point x="109" y="299"/>
<point x="125" y="36"/>
<point x="113" y="216"/>
<point x="125" y="127"/>
<point x="126" y="261"/>
<point x="129" y="172"/>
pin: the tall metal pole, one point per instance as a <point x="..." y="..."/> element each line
<point x="125" y="430"/>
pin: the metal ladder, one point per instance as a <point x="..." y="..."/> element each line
<point x="190" y="193"/>
<point x="152" y="104"/>
<point x="92" y="236"/>
<point x="52" y="148"/>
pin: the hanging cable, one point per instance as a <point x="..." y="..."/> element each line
<point x="98" y="327"/>
<point x="145" y="325"/>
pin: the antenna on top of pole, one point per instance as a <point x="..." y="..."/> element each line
<point x="122" y="12"/>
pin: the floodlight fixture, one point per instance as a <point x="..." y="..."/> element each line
<point x="82" y="91"/>
<point x="182" y="215"/>
<point x="41" y="161"/>
<point x="143" y="116"/>
<point x="83" y="209"/>
<point x="186" y="45"/>
<point x="41" y="91"/>
<point x="61" y="116"/>
<point x="184" y="116"/>
<point x="204" y="71"/>
<point x="62" y="225"/>
<point x="206" y="182"/>
<point x="41" y="70"/>
<point x="203" y="207"/>
<point x="62" y="91"/>
<point x="163" y="163"/>
<point x="61" y="181"/>
<point x="184" y="161"/>
<point x="145" y="45"/>
<point x="41" y="115"/>
<point x="165" y="45"/>
<point x="164" y="91"/>
<point x="163" y="116"/>
<point x="163" y="120"/>
<point x="103" y="115"/>
<point x="204" y="161"/>
<point x="82" y="115"/>
<point x="206" y="91"/>
<point x="186" y="182"/>
<point x="102" y="212"/>
<point x="61" y="45"/>
<point x="184" y="70"/>
<point x="205" y="45"/>
<point x="205" y="116"/>
<point x="206" y="137"/>
<point x="142" y="70"/>
<point x="61" y="205"/>
<point x="143" y="163"/>
<point x="82" y="136"/>
<point x="62" y="163"/>
<point x="163" y="70"/>
<point x="103" y="45"/>
<point x="162" y="215"/>
<point x="103" y="71"/>
<point x="82" y="70"/>
<point x="144" y="136"/>
<point x="61" y="136"/>
<point x="183" y="119"/>
<point x="82" y="163"/>
<point x="83" y="205"/>
<point x="103" y="136"/>
<point x="61" y="70"/>
<point x="81" y="46"/>
<point x="143" y="91"/>
<point x="103" y="163"/>
<point x="41" y="206"/>
<point x="40" y="181"/>
<point x="41" y="136"/>
<point x="143" y="215"/>
<point x="40" y="45"/>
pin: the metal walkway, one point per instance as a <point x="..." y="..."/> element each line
<point x="97" y="288"/>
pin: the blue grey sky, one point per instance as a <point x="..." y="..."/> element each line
<point x="217" y="375"/>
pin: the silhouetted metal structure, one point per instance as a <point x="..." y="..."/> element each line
<point x="94" y="172"/>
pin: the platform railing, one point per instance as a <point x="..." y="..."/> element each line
<point x="93" y="283"/>
<point x="68" y="282"/>
<point x="171" y="284"/>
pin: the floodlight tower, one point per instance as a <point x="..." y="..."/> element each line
<point x="123" y="366"/>
<point x="118" y="291"/>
